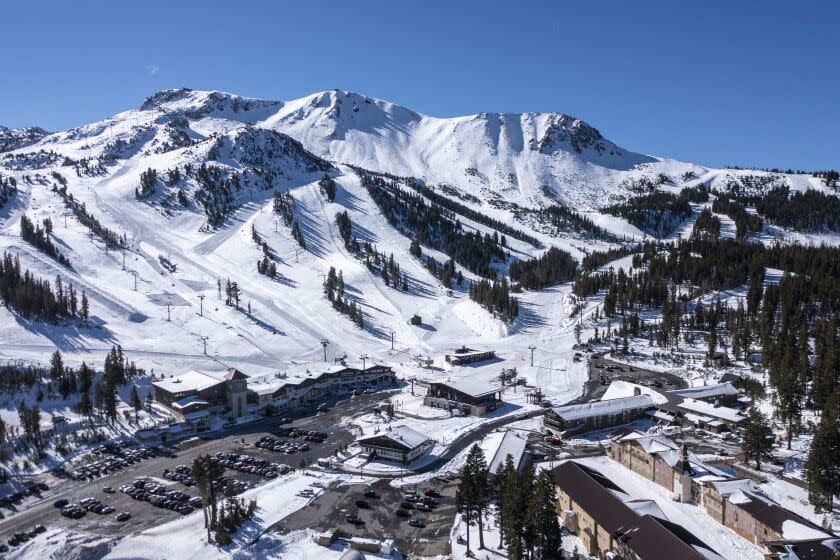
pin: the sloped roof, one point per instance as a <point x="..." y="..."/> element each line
<point x="708" y="409"/>
<point x="188" y="401"/>
<point x="620" y="389"/>
<point x="671" y="452"/>
<point x="235" y="374"/>
<point x="653" y="538"/>
<point x="405" y="436"/>
<point x="815" y="549"/>
<point x="513" y="444"/>
<point x="603" y="408"/>
<point x="191" y="381"/>
<point x="593" y="492"/>
<point x="746" y="495"/>
<point x="471" y="386"/>
<point x="707" y="391"/>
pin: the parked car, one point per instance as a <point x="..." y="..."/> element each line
<point x="414" y="522"/>
<point x="370" y="494"/>
<point x="361" y="504"/>
<point x="124" y="516"/>
<point x="403" y="512"/>
<point x="60" y="503"/>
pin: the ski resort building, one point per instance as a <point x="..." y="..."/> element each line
<point x="719" y="394"/>
<point x="665" y="462"/>
<point x="199" y="394"/>
<point x="402" y="444"/>
<point x="611" y="525"/>
<point x="235" y="395"/>
<point x="741" y="506"/>
<point x="513" y="444"/>
<point x="463" y="355"/>
<point x="597" y="415"/>
<point x="811" y="549"/>
<point x="703" y="414"/>
<point x="309" y="384"/>
<point x="468" y="396"/>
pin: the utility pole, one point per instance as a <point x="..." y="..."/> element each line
<point x="65" y="220"/>
<point x="134" y="273"/>
<point x="168" y="316"/>
<point x="364" y="358"/>
<point x="392" y="340"/>
<point x="297" y="251"/>
<point x="532" y="348"/>
<point x="123" y="252"/>
<point x="204" y="340"/>
<point x="201" y="305"/>
<point x="325" y="343"/>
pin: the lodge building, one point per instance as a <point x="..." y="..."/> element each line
<point x="401" y="444"/>
<point x="471" y="397"/>
<point x="611" y="525"/>
<point x="463" y="355"/>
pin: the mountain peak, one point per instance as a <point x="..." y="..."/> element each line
<point x="197" y="103"/>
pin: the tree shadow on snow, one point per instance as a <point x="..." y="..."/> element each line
<point x="314" y="244"/>
<point x="528" y="318"/>
<point x="68" y="338"/>
<point x="349" y="200"/>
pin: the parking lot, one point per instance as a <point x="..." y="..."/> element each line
<point x="39" y="509"/>
<point x="380" y="521"/>
<point x="603" y="371"/>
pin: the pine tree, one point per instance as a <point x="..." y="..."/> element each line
<point x="56" y="366"/>
<point x="757" y="438"/>
<point x="136" y="403"/>
<point x="85" y="407"/>
<point x="822" y="467"/>
<point x="543" y="518"/>
<point x="85" y="312"/>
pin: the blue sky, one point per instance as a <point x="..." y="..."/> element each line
<point x="743" y="83"/>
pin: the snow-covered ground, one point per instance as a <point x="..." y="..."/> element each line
<point x="492" y="163"/>
<point x="186" y="538"/>
<point x="692" y="517"/>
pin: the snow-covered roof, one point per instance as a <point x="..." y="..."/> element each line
<point x="195" y="415"/>
<point x="707" y="391"/>
<point x="189" y="401"/>
<point x="708" y="409"/>
<point x="404" y="435"/>
<point x="671" y="452"/>
<point x="662" y="415"/>
<point x="620" y="389"/>
<point x="697" y="418"/>
<point x="745" y="494"/>
<point x="728" y="487"/>
<point x="471" y="386"/>
<point x="513" y="444"/>
<point x="191" y="381"/>
<point x="646" y="507"/>
<point x="603" y="408"/>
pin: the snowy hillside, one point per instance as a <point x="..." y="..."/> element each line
<point x="184" y="181"/>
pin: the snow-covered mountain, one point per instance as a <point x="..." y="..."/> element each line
<point x="528" y="158"/>
<point x="188" y="176"/>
